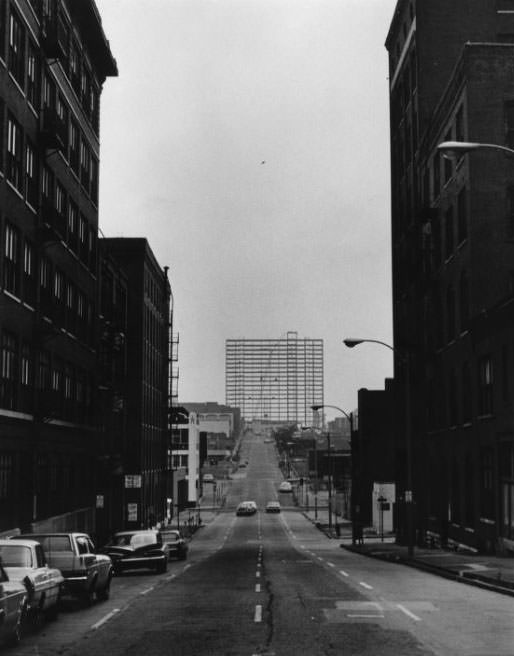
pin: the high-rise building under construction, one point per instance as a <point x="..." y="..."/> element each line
<point x="275" y="379"/>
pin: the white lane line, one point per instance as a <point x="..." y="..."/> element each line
<point x="170" y="578"/>
<point x="143" y="592"/>
<point x="343" y="573"/>
<point x="365" y="585"/>
<point x="258" y="613"/>
<point x="186" y="567"/>
<point x="408" y="613"/>
<point x="258" y="564"/>
<point x="364" y="615"/>
<point x="319" y="558"/>
<point x="106" y="618"/>
<point x="258" y="575"/>
<point x="331" y="564"/>
<point x="257" y="587"/>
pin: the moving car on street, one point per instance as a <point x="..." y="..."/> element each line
<point x="137" y="550"/>
<point x="246" y="508"/>
<point x="273" y="507"/>
<point x="87" y="573"/>
<point x="174" y="543"/>
<point x="285" y="486"/>
<point x="208" y="478"/>
<point x="25" y="562"/>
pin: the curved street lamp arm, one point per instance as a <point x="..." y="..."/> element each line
<point x="335" y="407"/>
<point x="466" y="146"/>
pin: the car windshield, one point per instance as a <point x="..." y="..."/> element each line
<point x="16" y="555"/>
<point x="171" y="537"/>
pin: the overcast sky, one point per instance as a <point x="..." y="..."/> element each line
<point x="247" y="140"/>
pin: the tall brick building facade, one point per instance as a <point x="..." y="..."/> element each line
<point x="54" y="59"/>
<point x="451" y="78"/>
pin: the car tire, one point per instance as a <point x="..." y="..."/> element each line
<point x="89" y="595"/>
<point x="162" y="567"/>
<point x="105" y="592"/>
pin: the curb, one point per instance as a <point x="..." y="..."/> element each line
<point x="464" y="577"/>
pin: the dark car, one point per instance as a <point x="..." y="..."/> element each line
<point x="174" y="544"/>
<point x="137" y="550"/>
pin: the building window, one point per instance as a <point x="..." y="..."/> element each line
<point x="31" y="175"/>
<point x="485" y="385"/>
<point x="462" y="215"/>
<point x="459" y="124"/>
<point x="85" y="165"/>
<point x="8" y="372"/>
<point x="48" y="93"/>
<point x="507" y="486"/>
<point x="29" y="282"/>
<point x="11" y="259"/>
<point x="47" y="184"/>
<point x="32" y="75"/>
<point x="14" y="153"/>
<point x="16" y="48"/>
<point x="74" y="147"/>
<point x="62" y="115"/>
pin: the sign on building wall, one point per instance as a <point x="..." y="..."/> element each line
<point x="132" y="512"/>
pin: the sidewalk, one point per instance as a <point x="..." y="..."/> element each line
<point x="495" y="573"/>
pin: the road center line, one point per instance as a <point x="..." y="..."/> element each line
<point x="143" y="592"/>
<point x="258" y="575"/>
<point x="331" y="564"/>
<point x="408" y="613"/>
<point x="258" y="613"/>
<point x="257" y="587"/>
<point x="343" y="573"/>
<point x="106" y="618"/>
<point x="366" y="585"/>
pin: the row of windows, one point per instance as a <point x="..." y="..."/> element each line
<point x="63" y="390"/>
<point x="25" y="65"/>
<point x="60" y="298"/>
<point x="24" y="168"/>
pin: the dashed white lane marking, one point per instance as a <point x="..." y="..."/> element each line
<point x="258" y="564"/>
<point x="408" y="613"/>
<point x="105" y="618"/>
<point x="343" y="573"/>
<point x="170" y="578"/>
<point x="331" y="564"/>
<point x="257" y="587"/>
<point x="258" y="613"/>
<point x="320" y="558"/>
<point x="366" y="585"/>
<point x="258" y="575"/>
<point x="186" y="567"/>
<point x="143" y="592"/>
<point x="364" y="615"/>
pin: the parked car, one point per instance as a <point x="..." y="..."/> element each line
<point x="25" y="562"/>
<point x="174" y="543"/>
<point x="273" y="507"/>
<point x="13" y="603"/>
<point x="285" y="486"/>
<point x="246" y="508"/>
<point x="87" y="573"/>
<point x="137" y="550"/>
<point x="208" y="478"/>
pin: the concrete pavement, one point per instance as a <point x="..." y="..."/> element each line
<point x="492" y="572"/>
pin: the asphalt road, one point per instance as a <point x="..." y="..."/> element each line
<point x="274" y="585"/>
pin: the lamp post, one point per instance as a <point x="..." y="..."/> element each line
<point x="351" y="342"/>
<point x="350" y="419"/>
<point x="454" y="148"/>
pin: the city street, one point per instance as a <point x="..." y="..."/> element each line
<point x="272" y="584"/>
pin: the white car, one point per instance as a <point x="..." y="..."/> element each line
<point x="285" y="486"/>
<point x="208" y="478"/>
<point x="25" y="562"/>
<point x="13" y="602"/>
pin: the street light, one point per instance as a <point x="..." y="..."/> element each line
<point x="351" y="342"/>
<point x="455" y="148"/>
<point x="350" y="419"/>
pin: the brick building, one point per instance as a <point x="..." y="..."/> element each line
<point x="451" y="78"/>
<point x="54" y="59"/>
<point x="144" y="451"/>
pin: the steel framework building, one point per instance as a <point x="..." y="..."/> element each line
<point x="274" y="379"/>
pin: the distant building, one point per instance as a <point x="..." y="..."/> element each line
<point x="274" y="379"/>
<point x="54" y="60"/>
<point x="185" y="450"/>
<point x="147" y="477"/>
<point x="452" y="79"/>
